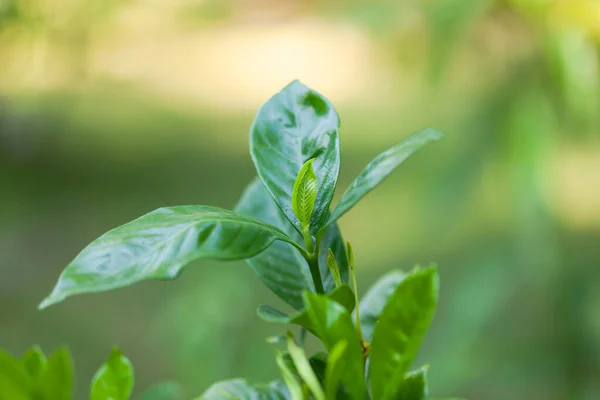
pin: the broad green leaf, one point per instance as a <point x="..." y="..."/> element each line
<point x="159" y="244"/>
<point x="15" y="383"/>
<point x="333" y="371"/>
<point x="333" y="324"/>
<point x="372" y="303"/>
<point x="304" y="194"/>
<point x="281" y="267"/>
<point x="400" y="330"/>
<point x="294" y="387"/>
<point x="342" y="295"/>
<point x="162" y="391"/>
<point x="56" y="382"/>
<point x="379" y="169"/>
<point x="240" y="389"/>
<point x="114" y="380"/>
<point x="293" y="126"/>
<point x="414" y="386"/>
<point x="35" y="362"/>
<point x="304" y="368"/>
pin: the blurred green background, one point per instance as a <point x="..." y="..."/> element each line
<point x="112" y="108"/>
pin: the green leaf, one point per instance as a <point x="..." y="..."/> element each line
<point x="295" y="125"/>
<point x="333" y="371"/>
<point x="15" y="383"/>
<point x="289" y="378"/>
<point x="304" y="368"/>
<point x="240" y="389"/>
<point x="333" y="324"/>
<point x="304" y="194"/>
<point x="414" y="386"/>
<point x="334" y="270"/>
<point x="379" y="169"/>
<point x="114" y="380"/>
<point x="162" y="391"/>
<point x="400" y="330"/>
<point x="159" y="244"/>
<point x="56" y="383"/>
<point x="281" y="267"/>
<point x="372" y="303"/>
<point x="342" y="295"/>
<point x="35" y="362"/>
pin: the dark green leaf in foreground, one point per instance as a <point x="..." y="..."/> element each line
<point x="414" y="386"/>
<point x="114" y="380"/>
<point x="281" y="267"/>
<point x="372" y="303"/>
<point x="400" y="330"/>
<point x="333" y="324"/>
<point x="342" y="295"/>
<point x="378" y="169"/>
<point x="159" y="244"/>
<point x="240" y="389"/>
<point x="292" y="127"/>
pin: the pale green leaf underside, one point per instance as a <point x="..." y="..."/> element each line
<point x="159" y="244"/>
<point x="114" y="380"/>
<point x="333" y="324"/>
<point x="289" y="377"/>
<point x="304" y="369"/>
<point x="293" y="126"/>
<point x="240" y="389"/>
<point x="304" y="194"/>
<point x="400" y="330"/>
<point x="342" y="295"/>
<point x="372" y="303"/>
<point x="382" y="166"/>
<point x="281" y="267"/>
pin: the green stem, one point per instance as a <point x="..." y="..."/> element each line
<point x="313" y="264"/>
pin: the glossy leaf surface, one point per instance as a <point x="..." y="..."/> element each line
<point x="304" y="194"/>
<point x="159" y="244"/>
<point x="372" y="303"/>
<point x="400" y="330"/>
<point x="333" y="324"/>
<point x="342" y="295"/>
<point x="281" y="267"/>
<point x="240" y="389"/>
<point x="114" y="380"/>
<point x="293" y="126"/>
<point x="414" y="386"/>
<point x="379" y="169"/>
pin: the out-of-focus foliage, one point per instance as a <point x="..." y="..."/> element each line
<point x="111" y="109"/>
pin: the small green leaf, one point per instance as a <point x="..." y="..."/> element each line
<point x="333" y="268"/>
<point x="35" y="362"/>
<point x="162" y="391"/>
<point x="342" y="295"/>
<point x="372" y="303"/>
<point x="304" y="194"/>
<point x="289" y="378"/>
<point x="159" y="244"/>
<point x="240" y="389"/>
<point x="304" y="369"/>
<point x="114" y="380"/>
<point x="400" y="330"/>
<point x="56" y="382"/>
<point x="293" y="126"/>
<point x="414" y="386"/>
<point x="281" y="267"/>
<point x="333" y="371"/>
<point x="333" y="324"/>
<point x="15" y="383"/>
<point x="378" y="169"/>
